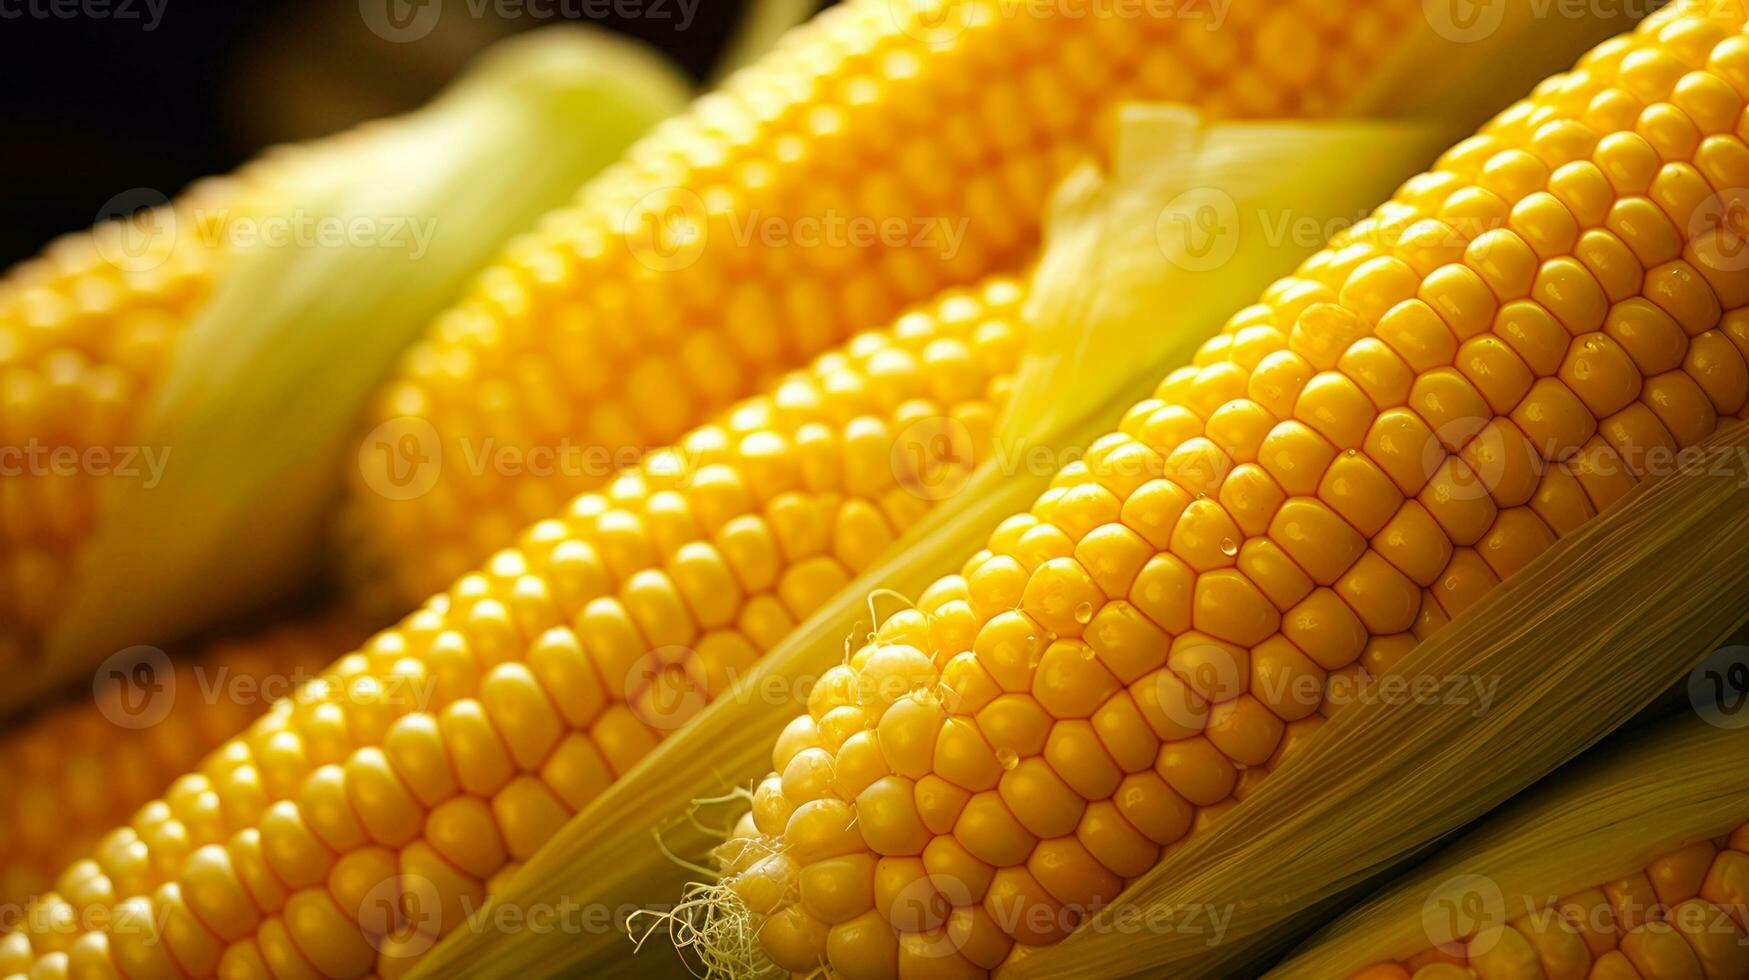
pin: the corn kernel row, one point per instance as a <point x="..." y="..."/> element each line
<point x="706" y="264"/>
<point x="1685" y="914"/>
<point x="74" y="771"/>
<point x="446" y="751"/>
<point x="1492" y="358"/>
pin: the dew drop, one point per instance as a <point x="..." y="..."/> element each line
<point x="1229" y="547"/>
<point x="1592" y="343"/>
<point x="1351" y="452"/>
<point x="1008" y="757"/>
<point x="1083" y="612"/>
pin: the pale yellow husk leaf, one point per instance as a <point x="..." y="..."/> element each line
<point x="1591" y="632"/>
<point x="256" y="414"/>
<point x="1642" y="794"/>
<point x="1088" y="360"/>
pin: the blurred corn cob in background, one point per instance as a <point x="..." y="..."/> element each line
<point x="219" y="346"/>
<point x="87" y="330"/>
<point x="72" y="771"/>
<point x="1407" y="421"/>
<point x="1632" y="864"/>
<point x="883" y="151"/>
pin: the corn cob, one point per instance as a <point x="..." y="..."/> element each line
<point x="605" y="630"/>
<point x="1412" y="417"/>
<point x="1658" y="886"/>
<point x="86" y="329"/>
<point x="112" y="362"/>
<point x="1683" y="915"/>
<point x="480" y="609"/>
<point x="660" y="296"/>
<point x="74" y="771"/>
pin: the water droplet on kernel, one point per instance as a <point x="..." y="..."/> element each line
<point x="1592" y="343"/>
<point x="1083" y="612"/>
<point x="1351" y="452"/>
<point x="1008" y="757"/>
<point x="1229" y="547"/>
<point x="1088" y="653"/>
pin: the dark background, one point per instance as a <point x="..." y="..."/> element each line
<point x="90" y="106"/>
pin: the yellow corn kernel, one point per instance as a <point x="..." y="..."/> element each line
<point x="886" y="150"/>
<point x="1387" y="522"/>
<point x="75" y="771"/>
<point x="462" y="740"/>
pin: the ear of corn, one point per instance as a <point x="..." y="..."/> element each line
<point x="1633" y="862"/>
<point x="72" y="771"/>
<point x="525" y="816"/>
<point x="248" y="407"/>
<point x="665" y="587"/>
<point x="1310" y="512"/>
<point x="738" y="241"/>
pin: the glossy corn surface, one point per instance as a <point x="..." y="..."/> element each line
<point x="427" y="766"/>
<point x="1502" y="351"/>
<point x="884" y="151"/>
<point x="1685" y="914"/>
<point x="72" y="772"/>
